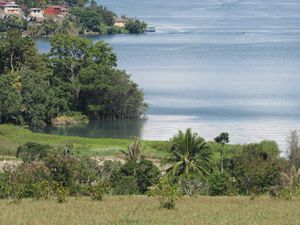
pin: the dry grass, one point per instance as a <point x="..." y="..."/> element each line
<point x="145" y="211"/>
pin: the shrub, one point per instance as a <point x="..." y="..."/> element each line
<point x="87" y="171"/>
<point x="63" y="168"/>
<point x="220" y="184"/>
<point x="256" y="169"/>
<point x="99" y="189"/>
<point x="4" y="184"/>
<point x="192" y="184"/>
<point x="32" y="151"/>
<point x="145" y="172"/>
<point x="27" y="174"/>
<point x="16" y="192"/>
<point x="126" y="186"/>
<point x="167" y="194"/>
<point x="61" y="192"/>
<point x="289" y="188"/>
<point x="42" y="190"/>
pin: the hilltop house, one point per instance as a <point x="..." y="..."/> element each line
<point x="120" y="22"/>
<point x="10" y="8"/>
<point x="37" y="14"/>
<point x="56" y="10"/>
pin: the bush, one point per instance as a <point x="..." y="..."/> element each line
<point x="99" y="189"/>
<point x="256" y="169"/>
<point x="145" y="172"/>
<point x="290" y="186"/>
<point x="32" y="152"/>
<point x="126" y="186"/>
<point x="192" y="184"/>
<point x="220" y="184"/>
<point x="63" y="168"/>
<point x="16" y="192"/>
<point x="27" y="174"/>
<point x="61" y="192"/>
<point x="42" y="190"/>
<point x="167" y="194"/>
<point x="4" y="184"/>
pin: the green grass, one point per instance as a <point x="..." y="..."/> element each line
<point x="11" y="137"/>
<point x="140" y="210"/>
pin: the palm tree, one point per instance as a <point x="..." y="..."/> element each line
<point x="134" y="150"/>
<point x="189" y="154"/>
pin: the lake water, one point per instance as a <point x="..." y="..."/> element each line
<point x="212" y="65"/>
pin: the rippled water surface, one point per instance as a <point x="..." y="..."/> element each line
<point x="213" y="65"/>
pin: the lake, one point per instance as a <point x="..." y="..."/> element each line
<point x="212" y="65"/>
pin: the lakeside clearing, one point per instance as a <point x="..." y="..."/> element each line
<point x="141" y="210"/>
<point x="11" y="137"/>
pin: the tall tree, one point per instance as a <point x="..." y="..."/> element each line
<point x="17" y="52"/>
<point x="222" y="139"/>
<point x="294" y="149"/>
<point x="68" y="55"/>
<point x="10" y="98"/>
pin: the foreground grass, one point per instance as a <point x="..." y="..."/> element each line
<point x="140" y="210"/>
<point x="11" y="137"/>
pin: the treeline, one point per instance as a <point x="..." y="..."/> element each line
<point x="190" y="168"/>
<point x="76" y="77"/>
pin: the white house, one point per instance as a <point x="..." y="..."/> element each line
<point x="36" y="13"/>
<point x="120" y="22"/>
<point x="12" y="9"/>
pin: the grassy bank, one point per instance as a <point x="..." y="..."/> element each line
<point x="140" y="210"/>
<point x="11" y="137"/>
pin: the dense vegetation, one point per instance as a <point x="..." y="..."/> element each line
<point x="190" y="169"/>
<point x="81" y="19"/>
<point x="76" y="77"/>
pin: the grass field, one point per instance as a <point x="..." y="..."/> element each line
<point x="11" y="137"/>
<point x="140" y="210"/>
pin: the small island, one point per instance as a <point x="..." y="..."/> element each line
<point x="43" y="19"/>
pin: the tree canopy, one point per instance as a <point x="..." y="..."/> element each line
<point x="76" y="76"/>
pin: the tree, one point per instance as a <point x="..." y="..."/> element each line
<point x="17" y="52"/>
<point x="135" y="26"/>
<point x="189" y="153"/>
<point x="10" y="98"/>
<point x="68" y="55"/>
<point x="38" y="100"/>
<point x="109" y="93"/>
<point x="256" y="169"/>
<point x="222" y="139"/>
<point x="294" y="149"/>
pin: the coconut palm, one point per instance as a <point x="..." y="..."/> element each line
<point x="189" y="154"/>
<point x="134" y="150"/>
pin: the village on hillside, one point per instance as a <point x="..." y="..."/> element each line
<point x="9" y="8"/>
<point x="39" y="15"/>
